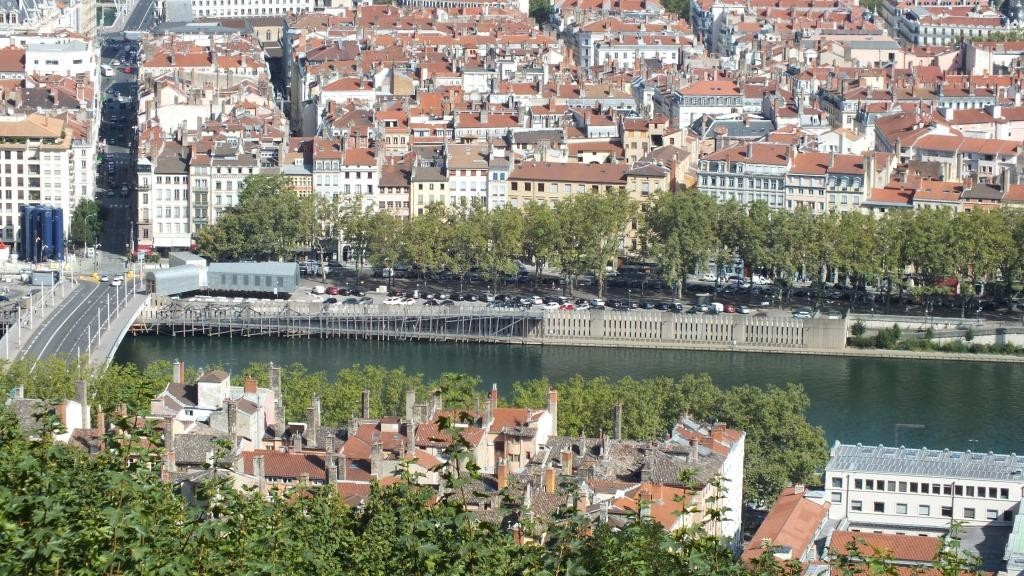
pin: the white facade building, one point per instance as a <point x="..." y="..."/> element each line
<point x="164" y="205"/>
<point x="219" y="8"/>
<point x="920" y="491"/>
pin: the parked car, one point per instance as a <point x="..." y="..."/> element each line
<point x="728" y="309"/>
<point x="330" y="300"/>
<point x="333" y="290"/>
<point x="393" y="300"/>
<point x="803" y="313"/>
<point x="743" y="310"/>
<point x="552" y="306"/>
<point x="567" y="306"/>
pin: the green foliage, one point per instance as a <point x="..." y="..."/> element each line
<point x="63" y="511"/>
<point x="781" y="446"/>
<point x="592" y="227"/>
<point x="681" y="233"/>
<point x="858" y="329"/>
<point x="969" y="334"/>
<point x="86" y="222"/>
<point x="540" y="10"/>
<point x="929" y="334"/>
<point x="270" y="221"/>
<point x="888" y="338"/>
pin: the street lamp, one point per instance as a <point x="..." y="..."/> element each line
<point x="96" y="255"/>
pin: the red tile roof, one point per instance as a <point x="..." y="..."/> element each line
<point x="901" y="547"/>
<point x="793" y="521"/>
<point x="289" y="465"/>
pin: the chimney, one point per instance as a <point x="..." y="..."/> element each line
<point x="101" y="420"/>
<point x="718" y="431"/>
<point x="798" y="489"/>
<point x="170" y="459"/>
<point x="436" y="402"/>
<point x="582" y="501"/>
<point x="694" y="451"/>
<point x="177" y="372"/>
<point x="366" y="404"/>
<point x="296" y="441"/>
<point x="376" y="456"/>
<point x="332" y="468"/>
<point x="549" y="479"/>
<point x="553" y="410"/>
<point x="566" y="458"/>
<point x="82" y="396"/>
<point x="260" y="473"/>
<point x="502" y="474"/>
<point x="493" y="398"/>
<point x="645" y="472"/>
<point x="274" y="380"/>
<point x="618" y="421"/>
<point x="315" y="421"/>
<point x="249" y="385"/>
<point x="342" y="466"/>
<point x="232" y="410"/>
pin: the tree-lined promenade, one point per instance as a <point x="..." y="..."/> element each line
<point x="681" y="232"/>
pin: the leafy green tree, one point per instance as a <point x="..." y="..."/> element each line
<point x="752" y="240"/>
<point x="354" y="225"/>
<point x="385" y="240"/>
<point x="269" y="221"/>
<point x="86" y="222"/>
<point x="428" y="238"/>
<point x="540" y="235"/>
<point x="540" y="10"/>
<point x="503" y="230"/>
<point x="592" y="228"/>
<point x="979" y="241"/>
<point x="680" y="232"/>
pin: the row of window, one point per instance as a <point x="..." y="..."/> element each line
<point x="732" y="182"/>
<point x="907" y="487"/>
<point x="922" y="509"/>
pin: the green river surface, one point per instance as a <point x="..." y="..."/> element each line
<point x="963" y="405"/>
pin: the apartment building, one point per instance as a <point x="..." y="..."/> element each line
<point x="549" y="182"/>
<point x="747" y="173"/>
<point x="163" y="201"/>
<point x="920" y="491"/>
<point x="467" y="169"/>
<point x="237" y="8"/>
<point x="40" y="163"/>
<point x="217" y="174"/>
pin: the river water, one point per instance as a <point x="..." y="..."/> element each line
<point x="963" y="405"/>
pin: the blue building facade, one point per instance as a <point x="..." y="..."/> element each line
<point x="42" y="233"/>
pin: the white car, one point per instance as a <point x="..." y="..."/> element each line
<point x="536" y="300"/>
<point x="743" y="310"/>
<point x="115" y="282"/>
<point x="409" y="301"/>
<point x="104" y="278"/>
<point x="393" y="301"/>
<point x="552" y="306"/>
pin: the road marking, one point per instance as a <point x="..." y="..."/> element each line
<point x="47" y="323"/>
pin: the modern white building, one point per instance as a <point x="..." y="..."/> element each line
<point x="921" y="491"/>
<point x="164" y="204"/>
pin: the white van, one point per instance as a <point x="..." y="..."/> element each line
<point x="107" y="70"/>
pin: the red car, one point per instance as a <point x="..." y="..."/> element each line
<point x="127" y="70"/>
<point x="333" y="290"/>
<point x="729" y="309"/>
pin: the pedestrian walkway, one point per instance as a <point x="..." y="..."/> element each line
<point x="103" y="352"/>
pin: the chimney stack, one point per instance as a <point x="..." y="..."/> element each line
<point x="366" y="404"/>
<point x="101" y="420"/>
<point x="718" y="431"/>
<point x="493" y="398"/>
<point x="502" y="474"/>
<point x="566" y="457"/>
<point x="178" y="372"/>
<point x="315" y="421"/>
<point x="296" y="441"/>
<point x="645" y="472"/>
<point x="618" y="421"/>
<point x="332" y="469"/>
<point x="553" y="410"/>
<point x="249" y="385"/>
<point x="232" y="410"/>
<point x="410" y="404"/>
<point x="693" y="454"/>
<point x="260" y="473"/>
<point x="342" y="466"/>
<point x="376" y="456"/>
<point x="436" y="403"/>
<point x="82" y="396"/>
<point x="549" y="479"/>
<point x="170" y="459"/>
<point x="274" y="380"/>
